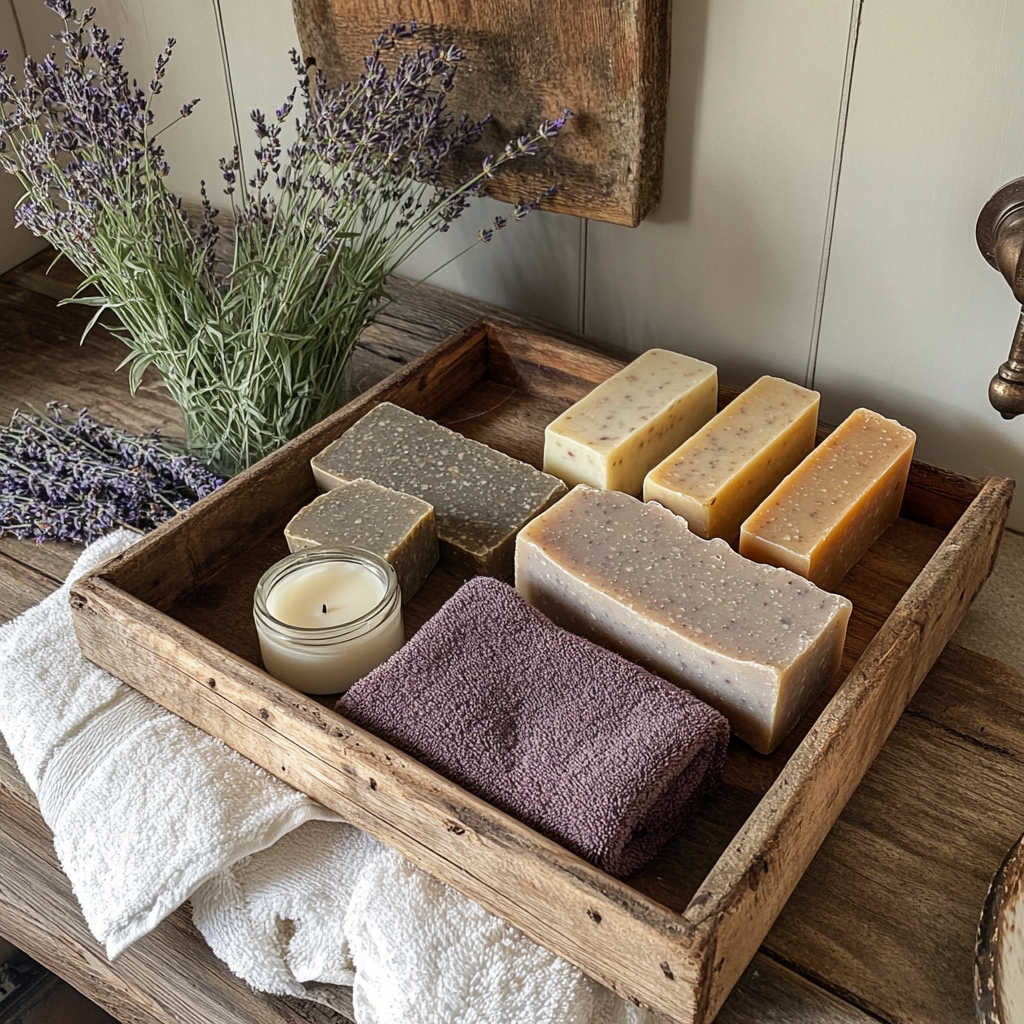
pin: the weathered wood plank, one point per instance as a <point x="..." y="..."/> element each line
<point x="892" y="900"/>
<point x="763" y="864"/>
<point x="53" y="559"/>
<point x="43" y="361"/>
<point x="771" y="993"/>
<point x="39" y="273"/>
<point x="20" y="587"/>
<point x="168" y="977"/>
<point x="608" y="162"/>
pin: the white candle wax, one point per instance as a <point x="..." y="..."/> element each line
<point x="325" y="594"/>
<point x="328" y="616"/>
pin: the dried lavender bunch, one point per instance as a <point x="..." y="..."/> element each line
<point x="77" y="480"/>
<point x="252" y="352"/>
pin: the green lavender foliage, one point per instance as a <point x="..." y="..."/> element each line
<point x="251" y="348"/>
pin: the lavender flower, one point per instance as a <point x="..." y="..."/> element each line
<point x="250" y="343"/>
<point x="77" y="480"/>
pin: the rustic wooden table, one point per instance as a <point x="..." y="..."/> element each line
<point x="881" y="928"/>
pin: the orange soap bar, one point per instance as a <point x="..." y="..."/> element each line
<point x="822" y="518"/>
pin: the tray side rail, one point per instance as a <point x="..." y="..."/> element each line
<point x="747" y="888"/>
<point x="628" y="942"/>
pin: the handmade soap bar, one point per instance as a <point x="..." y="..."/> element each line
<point x="756" y="642"/>
<point x="722" y="473"/>
<point x="614" y="435"/>
<point x="398" y="527"/>
<point x="822" y="518"/>
<point x="481" y="497"/>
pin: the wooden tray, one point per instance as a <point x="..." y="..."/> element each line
<point x="172" y="617"/>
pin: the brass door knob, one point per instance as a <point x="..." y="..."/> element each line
<point x="1000" y="234"/>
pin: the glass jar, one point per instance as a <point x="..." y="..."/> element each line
<point x="355" y="594"/>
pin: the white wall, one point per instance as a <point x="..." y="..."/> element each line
<point x="727" y="268"/>
<point x="915" y="321"/>
<point x="15" y="245"/>
<point x="908" y="320"/>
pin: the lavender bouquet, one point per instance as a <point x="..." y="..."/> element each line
<point x="251" y="348"/>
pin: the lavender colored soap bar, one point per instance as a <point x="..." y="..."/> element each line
<point x="756" y="642"/>
<point x="481" y="497"/>
<point x="575" y="741"/>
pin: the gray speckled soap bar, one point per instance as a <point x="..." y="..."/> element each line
<point x="398" y="527"/>
<point x="481" y="497"/>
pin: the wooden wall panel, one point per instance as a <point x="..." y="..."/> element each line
<point x="606" y="60"/>
<point x="915" y="321"/>
<point x="16" y="244"/>
<point x="727" y="268"/>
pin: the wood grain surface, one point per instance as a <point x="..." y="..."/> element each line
<point x="607" y="60"/>
<point x="881" y="925"/>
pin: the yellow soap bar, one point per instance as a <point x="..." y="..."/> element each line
<point x="610" y="438"/>
<point x="722" y="473"/>
<point x="822" y="518"/>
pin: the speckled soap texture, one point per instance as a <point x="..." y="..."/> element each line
<point x="721" y="474"/>
<point x="611" y="437"/>
<point x="481" y="497"/>
<point x="755" y="642"/>
<point x="825" y="515"/>
<point x="399" y="527"/>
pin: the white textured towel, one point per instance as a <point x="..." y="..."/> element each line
<point x="330" y="904"/>
<point x="147" y="810"/>
<point x="143" y="806"/>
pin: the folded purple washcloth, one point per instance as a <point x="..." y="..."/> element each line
<point x="593" y="751"/>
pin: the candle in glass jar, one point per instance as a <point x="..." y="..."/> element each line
<point x="327" y="616"/>
<point x="325" y="594"/>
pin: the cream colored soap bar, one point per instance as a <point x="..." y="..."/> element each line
<point x="822" y="518"/>
<point x="722" y="473"/>
<point x="398" y="527"/>
<point x="757" y="643"/>
<point x="629" y="423"/>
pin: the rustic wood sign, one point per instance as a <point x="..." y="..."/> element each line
<point x="607" y="60"/>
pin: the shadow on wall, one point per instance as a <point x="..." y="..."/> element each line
<point x="689" y="37"/>
<point x="710" y="283"/>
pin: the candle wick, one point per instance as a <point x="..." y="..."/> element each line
<point x="325" y="609"/>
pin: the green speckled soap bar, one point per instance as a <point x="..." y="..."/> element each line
<point x="481" y="497"/>
<point x="398" y="527"/>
